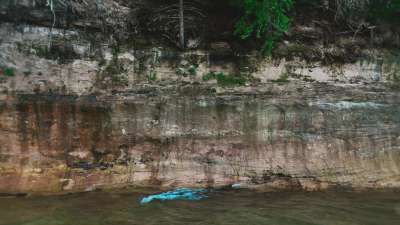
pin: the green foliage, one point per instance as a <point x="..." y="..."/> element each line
<point x="225" y="80"/>
<point x="8" y="71"/>
<point x="193" y="70"/>
<point x="264" y="19"/>
<point x="209" y="76"/>
<point x="185" y="71"/>
<point x="384" y="10"/>
<point x="152" y="76"/>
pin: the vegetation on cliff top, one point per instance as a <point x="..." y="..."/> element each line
<point x="270" y="19"/>
<point x="265" y="21"/>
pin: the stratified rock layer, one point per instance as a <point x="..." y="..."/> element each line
<point x="89" y="100"/>
<point x="265" y="137"/>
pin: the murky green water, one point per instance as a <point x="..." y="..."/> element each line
<point x="222" y="208"/>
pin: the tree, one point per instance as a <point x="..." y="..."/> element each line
<point x="179" y="23"/>
<point x="264" y="19"/>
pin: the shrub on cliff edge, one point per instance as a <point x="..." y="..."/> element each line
<point x="264" y="19"/>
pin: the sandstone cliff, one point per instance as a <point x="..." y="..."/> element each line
<point x="82" y="108"/>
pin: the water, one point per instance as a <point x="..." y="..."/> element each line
<point x="221" y="208"/>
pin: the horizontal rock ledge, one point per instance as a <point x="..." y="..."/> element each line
<point x="272" y="140"/>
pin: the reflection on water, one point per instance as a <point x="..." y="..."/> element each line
<point x="221" y="208"/>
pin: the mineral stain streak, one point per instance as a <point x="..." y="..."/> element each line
<point x="59" y="144"/>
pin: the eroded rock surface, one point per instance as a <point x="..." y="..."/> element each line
<point x="264" y="138"/>
<point x="94" y="98"/>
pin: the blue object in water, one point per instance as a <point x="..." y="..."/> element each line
<point x="236" y="186"/>
<point x="177" y="194"/>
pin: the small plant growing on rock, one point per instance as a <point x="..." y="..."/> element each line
<point x="152" y="76"/>
<point x="225" y="80"/>
<point x="186" y="71"/>
<point x="193" y="70"/>
<point x="7" y="71"/>
<point x="267" y="20"/>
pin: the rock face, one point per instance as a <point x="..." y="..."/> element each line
<point x="80" y="110"/>
<point x="74" y="65"/>
<point x="266" y="138"/>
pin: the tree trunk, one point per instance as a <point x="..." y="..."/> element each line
<point x="181" y="25"/>
<point x="326" y="4"/>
